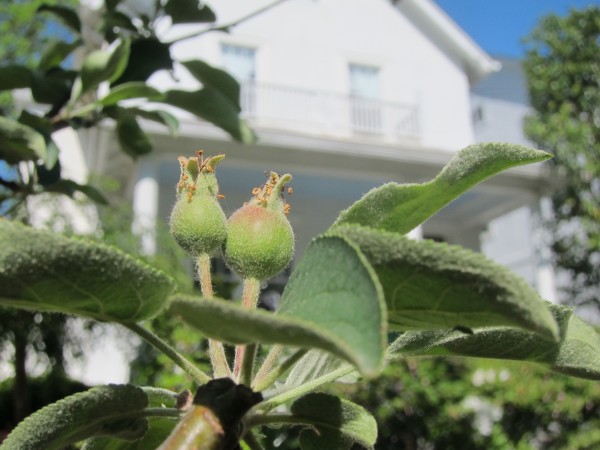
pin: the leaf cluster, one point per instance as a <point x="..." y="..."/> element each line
<point x="357" y="286"/>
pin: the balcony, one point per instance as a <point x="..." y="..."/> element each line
<point x="328" y="115"/>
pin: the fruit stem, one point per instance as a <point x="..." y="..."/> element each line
<point x="249" y="301"/>
<point x="250" y="293"/>
<point x="204" y="275"/>
<point x="216" y="351"/>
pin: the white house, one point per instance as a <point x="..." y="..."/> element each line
<point x="344" y="95"/>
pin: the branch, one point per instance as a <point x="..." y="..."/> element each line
<point x="225" y="28"/>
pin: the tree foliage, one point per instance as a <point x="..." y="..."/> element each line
<point x="563" y="72"/>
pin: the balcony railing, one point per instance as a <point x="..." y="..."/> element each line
<point x="326" y="114"/>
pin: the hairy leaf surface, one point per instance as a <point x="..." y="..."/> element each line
<point x="45" y="271"/>
<point x="577" y="354"/>
<point x="159" y="429"/>
<point x="401" y="207"/>
<point x="335" y="424"/>
<point x="435" y="285"/>
<point x="112" y="410"/>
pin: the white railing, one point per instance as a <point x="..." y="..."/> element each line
<point x="321" y="113"/>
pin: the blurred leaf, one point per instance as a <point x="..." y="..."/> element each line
<point x="69" y="187"/>
<point x="56" y="52"/>
<point x="401" y="207"/>
<point x="211" y="105"/>
<point x="215" y="78"/>
<point x="146" y="57"/>
<point x="133" y="140"/>
<point x="47" y="177"/>
<point x="19" y="142"/>
<point x="67" y="15"/>
<point x="130" y="90"/>
<point x="104" y="65"/>
<point x="189" y="11"/>
<point x="576" y="354"/>
<point x="43" y="126"/>
<point x="14" y="77"/>
<point x="163" y="117"/>
<point x="44" y="271"/>
<point x="113" y="410"/>
<point x="435" y="285"/>
<point x="52" y="88"/>
<point x="334" y="423"/>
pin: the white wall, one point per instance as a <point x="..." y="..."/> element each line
<point x="308" y="44"/>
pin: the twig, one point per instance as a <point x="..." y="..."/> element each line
<point x="169" y="351"/>
<point x="227" y="27"/>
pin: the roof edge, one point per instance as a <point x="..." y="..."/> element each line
<point x="448" y="34"/>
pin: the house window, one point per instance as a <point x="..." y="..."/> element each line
<point x="365" y="107"/>
<point x="240" y="62"/>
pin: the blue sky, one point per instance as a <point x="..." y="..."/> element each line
<point x="498" y="25"/>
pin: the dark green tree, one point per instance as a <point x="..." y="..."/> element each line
<point x="563" y="74"/>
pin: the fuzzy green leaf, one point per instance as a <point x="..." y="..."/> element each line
<point x="125" y="91"/>
<point x="435" y="285"/>
<point x="576" y="354"/>
<point x="159" y="429"/>
<point x="45" y="271"/>
<point x="339" y="310"/>
<point x="334" y="287"/>
<point x="210" y="104"/>
<point x="112" y="410"/>
<point x="335" y="424"/>
<point x="401" y="207"/>
<point x="19" y="142"/>
<point x="104" y="65"/>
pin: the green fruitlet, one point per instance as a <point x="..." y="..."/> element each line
<point x="260" y="240"/>
<point x="197" y="222"/>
